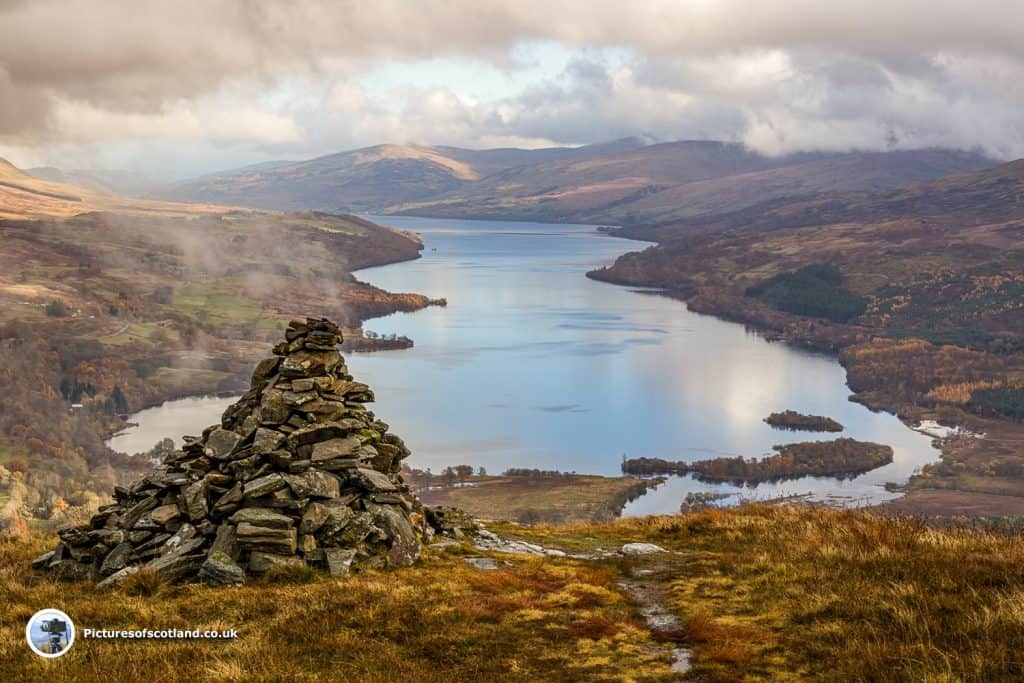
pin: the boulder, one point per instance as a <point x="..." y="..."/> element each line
<point x="117" y="578"/>
<point x="252" y="537"/>
<point x="262" y="562"/>
<point x="222" y="442"/>
<point x="641" y="549"/>
<point x="262" y="517"/>
<point x="193" y="498"/>
<point x="313" y="518"/>
<point x="220" y="570"/>
<point x="264" y="485"/>
<point x="404" y="545"/>
<point x="226" y="541"/>
<point x="372" y="480"/>
<point x="273" y="409"/>
<point x="332" y="449"/>
<point x="164" y="514"/>
<point x="314" y="484"/>
<point x="179" y="564"/>
<point x="116" y="560"/>
<point x="339" y="561"/>
<point x="267" y="440"/>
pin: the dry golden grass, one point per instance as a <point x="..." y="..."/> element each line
<point x="442" y="620"/>
<point x="761" y="593"/>
<point x="552" y="499"/>
<point x="805" y="594"/>
<point x="959" y="392"/>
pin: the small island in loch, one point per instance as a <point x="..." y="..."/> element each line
<point x="794" y="421"/>
<point x="841" y="457"/>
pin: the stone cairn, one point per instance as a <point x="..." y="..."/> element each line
<point x="298" y="473"/>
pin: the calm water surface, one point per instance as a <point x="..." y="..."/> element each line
<point x="533" y="365"/>
<point x="171" y="420"/>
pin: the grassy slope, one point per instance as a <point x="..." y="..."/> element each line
<point x="439" y="621"/>
<point x="762" y="594"/>
<point x="576" y="498"/>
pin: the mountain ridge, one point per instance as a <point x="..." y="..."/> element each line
<point x="623" y="182"/>
<point x="369" y="178"/>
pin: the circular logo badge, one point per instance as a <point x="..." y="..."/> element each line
<point x="50" y="633"/>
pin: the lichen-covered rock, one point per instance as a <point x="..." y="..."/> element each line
<point x="451" y="522"/>
<point x="261" y="562"/>
<point x="252" y="537"/>
<point x="339" y="561"/>
<point x="298" y="473"/>
<point x="220" y="570"/>
<point x="262" y="517"/>
<point x="221" y="442"/>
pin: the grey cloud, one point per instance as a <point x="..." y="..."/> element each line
<point x="854" y="73"/>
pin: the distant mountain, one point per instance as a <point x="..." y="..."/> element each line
<point x="370" y="179"/>
<point x="23" y="196"/>
<point x="853" y="172"/>
<point x="597" y="187"/>
<point x="682" y="181"/>
<point x="109" y="181"/>
<point x="963" y="217"/>
<point x="989" y="195"/>
<point x="624" y="182"/>
<point x="259" y="166"/>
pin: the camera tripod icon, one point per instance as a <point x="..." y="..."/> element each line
<point x="50" y="633"/>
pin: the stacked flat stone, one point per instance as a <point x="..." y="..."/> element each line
<point x="298" y="473"/>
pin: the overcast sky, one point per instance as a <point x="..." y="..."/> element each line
<point x="175" y="89"/>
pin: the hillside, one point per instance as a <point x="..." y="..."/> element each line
<point x="623" y="182"/>
<point x="754" y="593"/>
<point x="918" y="289"/>
<point x="108" y="181"/>
<point x="990" y="194"/>
<point x="700" y="201"/>
<point x="23" y="196"/>
<point x="125" y="308"/>
<point x="689" y="182"/>
<point x="581" y="189"/>
<point x="369" y="179"/>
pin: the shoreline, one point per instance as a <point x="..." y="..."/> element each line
<point x="922" y="494"/>
<point x="768" y="333"/>
<point x="237" y="383"/>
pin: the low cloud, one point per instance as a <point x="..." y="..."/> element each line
<point x="252" y="79"/>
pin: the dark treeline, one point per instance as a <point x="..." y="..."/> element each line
<point x="790" y="419"/>
<point x="447" y="477"/>
<point x="645" y="466"/>
<point x="1006" y="401"/>
<point x="816" y="290"/>
<point x="525" y="472"/>
<point x="809" y="458"/>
